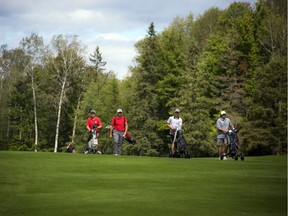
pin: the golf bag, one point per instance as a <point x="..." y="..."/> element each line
<point x="129" y="139"/>
<point x="92" y="142"/>
<point x="234" y="145"/>
<point x="180" y="146"/>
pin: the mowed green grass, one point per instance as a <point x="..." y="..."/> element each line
<point x="77" y="184"/>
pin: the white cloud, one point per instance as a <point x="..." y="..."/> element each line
<point x="113" y="37"/>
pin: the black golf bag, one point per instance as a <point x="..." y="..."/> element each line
<point x="70" y="148"/>
<point x="180" y="146"/>
<point x="234" y="145"/>
<point x="129" y="139"/>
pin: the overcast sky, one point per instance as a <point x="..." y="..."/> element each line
<point x="113" y="25"/>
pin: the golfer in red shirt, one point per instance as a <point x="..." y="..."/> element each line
<point x="119" y="127"/>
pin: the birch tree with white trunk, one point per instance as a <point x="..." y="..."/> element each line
<point x="66" y="61"/>
<point x="33" y="47"/>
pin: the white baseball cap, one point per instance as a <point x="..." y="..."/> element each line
<point x="93" y="111"/>
<point x="223" y="113"/>
<point x="177" y="110"/>
<point x="119" y="111"/>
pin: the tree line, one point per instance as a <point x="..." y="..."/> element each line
<point x="233" y="60"/>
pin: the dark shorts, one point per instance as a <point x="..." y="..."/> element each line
<point x="171" y="138"/>
<point x="70" y="149"/>
<point x="179" y="133"/>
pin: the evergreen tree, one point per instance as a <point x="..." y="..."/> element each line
<point x="12" y="66"/>
<point x="144" y="101"/>
<point x="21" y="116"/>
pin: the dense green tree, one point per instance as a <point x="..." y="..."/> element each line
<point x="229" y="56"/>
<point x="105" y="101"/>
<point x="144" y="100"/>
<point x="188" y="94"/>
<point x="12" y="66"/>
<point x="21" y="117"/>
<point x="265" y="131"/>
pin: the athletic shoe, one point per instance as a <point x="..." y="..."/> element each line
<point x="99" y="152"/>
<point x="86" y="152"/>
<point x="116" y="154"/>
<point x="224" y="158"/>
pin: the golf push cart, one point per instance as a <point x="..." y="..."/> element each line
<point x="92" y="142"/>
<point x="180" y="146"/>
<point x="233" y="146"/>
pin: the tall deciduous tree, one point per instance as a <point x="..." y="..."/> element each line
<point x="65" y="61"/>
<point x="265" y="128"/>
<point x="33" y="47"/>
<point x="205" y="26"/>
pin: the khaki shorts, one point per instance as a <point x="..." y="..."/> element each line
<point x="223" y="141"/>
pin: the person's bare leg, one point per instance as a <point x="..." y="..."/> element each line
<point x="226" y="149"/>
<point x="220" y="151"/>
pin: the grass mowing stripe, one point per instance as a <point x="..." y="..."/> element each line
<point x="66" y="184"/>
